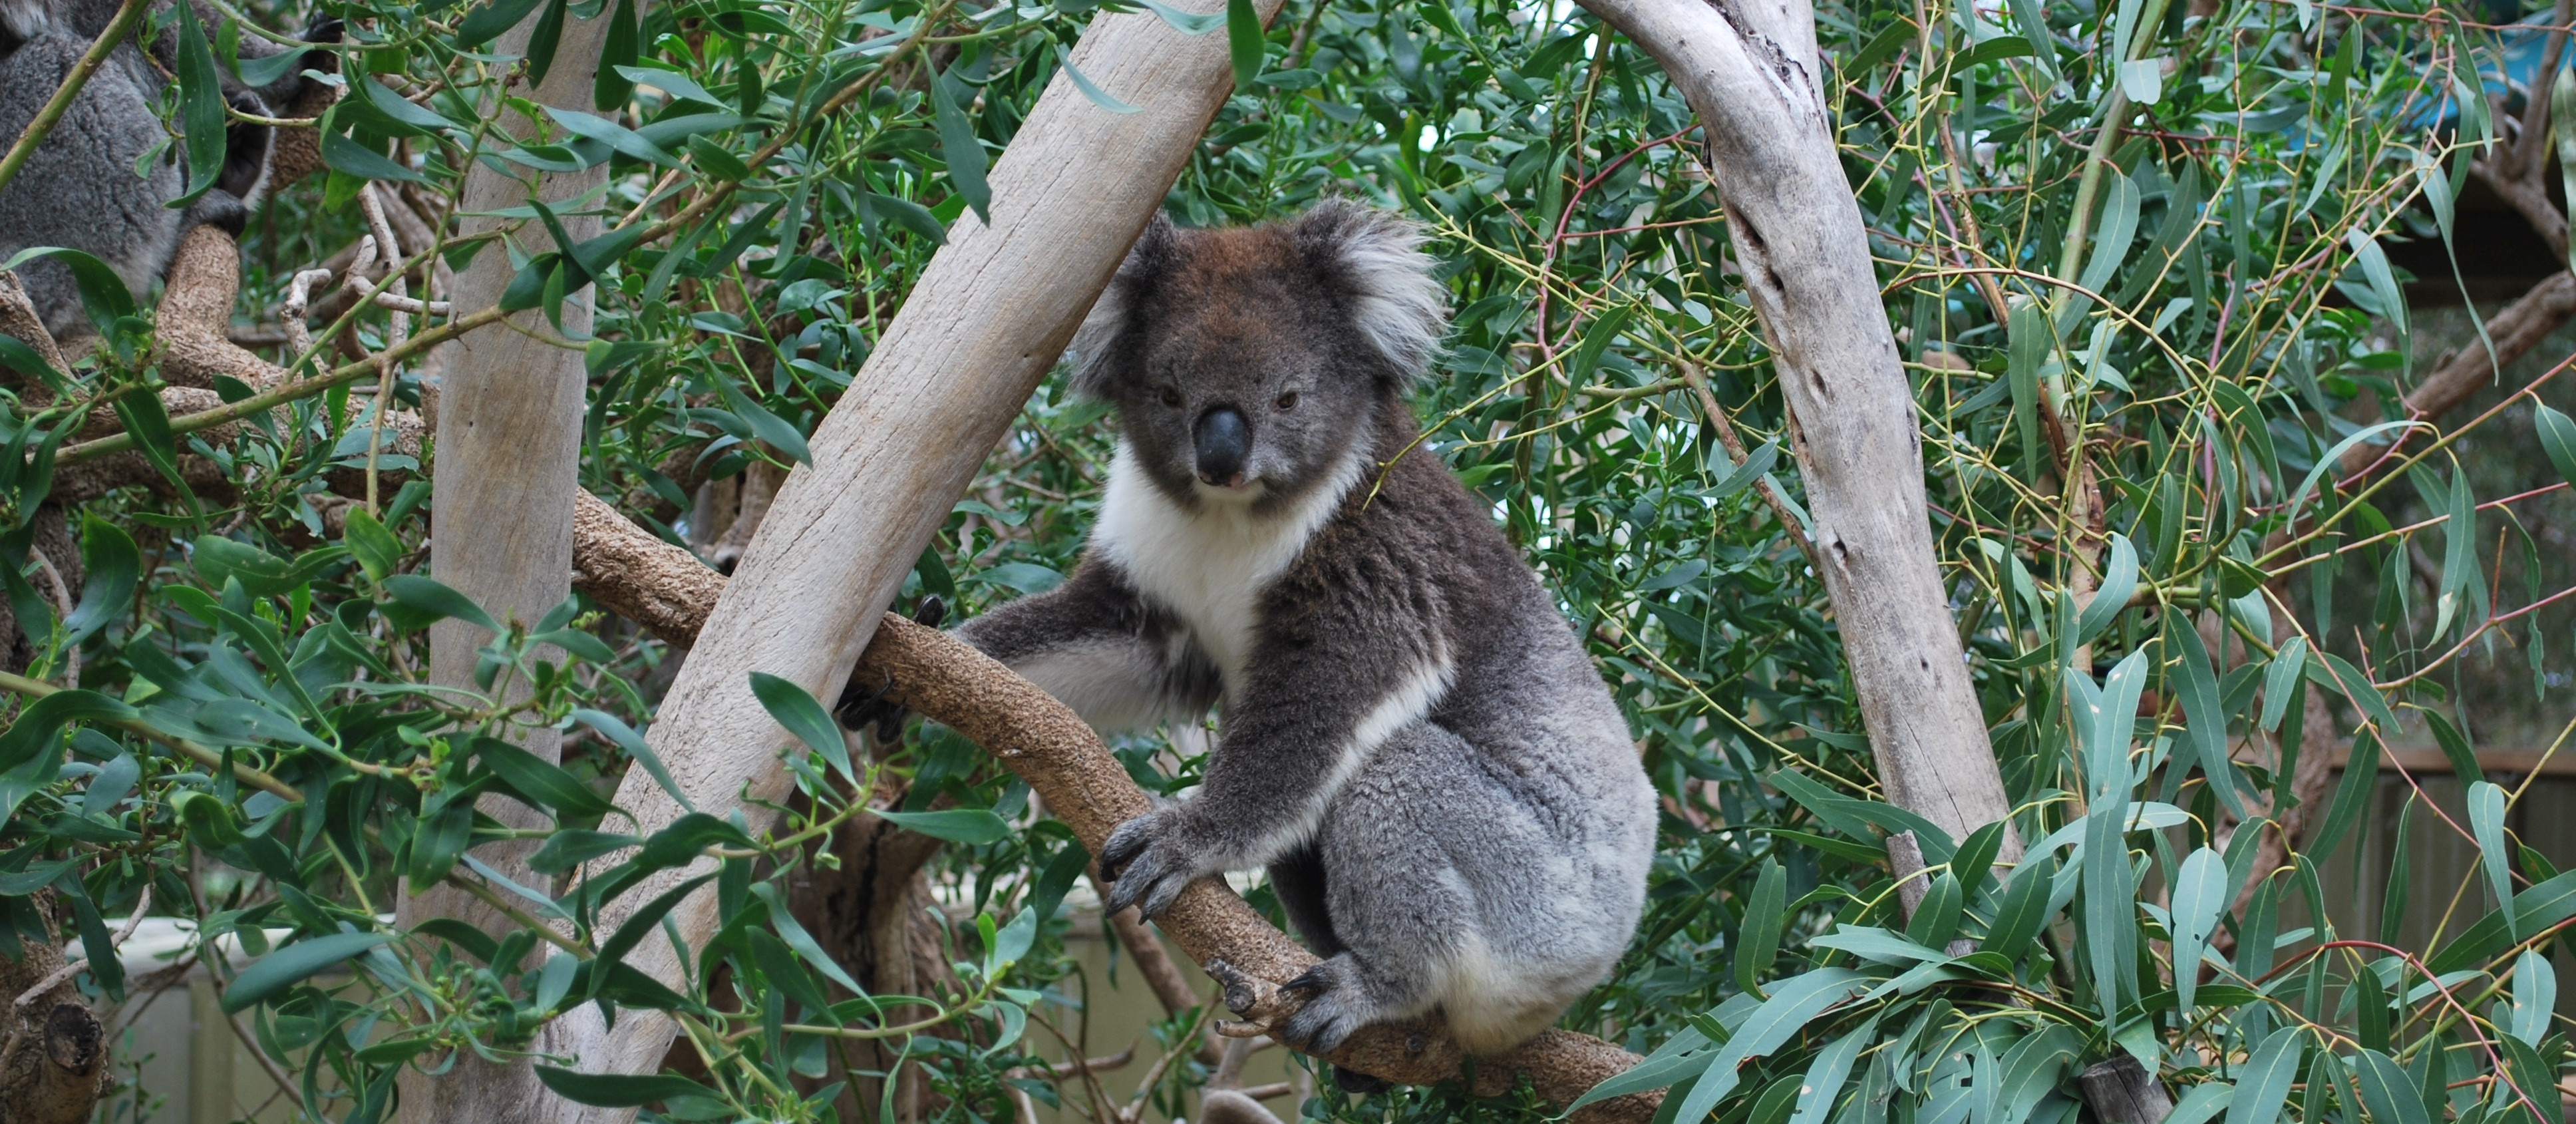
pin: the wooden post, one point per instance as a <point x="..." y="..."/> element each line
<point x="986" y="321"/>
<point x="509" y="459"/>
<point x="1750" y="71"/>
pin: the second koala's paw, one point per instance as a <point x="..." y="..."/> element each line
<point x="864" y="705"/>
<point x="1339" y="1003"/>
<point x="1149" y="860"/>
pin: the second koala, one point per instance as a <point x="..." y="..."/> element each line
<point x="1413" y="740"/>
<point x="88" y="187"/>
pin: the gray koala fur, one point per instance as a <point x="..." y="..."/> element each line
<point x="1413" y="740"/>
<point x="81" y="189"/>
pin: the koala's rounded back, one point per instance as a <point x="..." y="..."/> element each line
<point x="81" y="188"/>
<point x="101" y="180"/>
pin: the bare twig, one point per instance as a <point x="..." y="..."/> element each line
<point x="285" y="1084"/>
<point x="1727" y="436"/>
<point x="72" y="966"/>
<point x="299" y="295"/>
<point x="1164" y="978"/>
<point x="62" y="604"/>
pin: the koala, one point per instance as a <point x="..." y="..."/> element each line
<point x="82" y="188"/>
<point x="1412" y="742"/>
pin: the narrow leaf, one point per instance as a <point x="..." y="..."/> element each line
<point x="973" y="827"/>
<point x="1098" y="96"/>
<point x="963" y="152"/>
<point x="2205" y="719"/>
<point x="2486" y="822"/>
<point x="619" y="1090"/>
<point x="201" y="108"/>
<point x="1243" y="40"/>
<point x="286" y="966"/>
<point x="114" y="567"/>
<point x="429" y="595"/>
<point x="1759" y="935"/>
<point x="2557" y="435"/>
<point x="2264" y="1083"/>
<point x="805" y="718"/>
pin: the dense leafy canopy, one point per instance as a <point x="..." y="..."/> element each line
<point x="2134" y="255"/>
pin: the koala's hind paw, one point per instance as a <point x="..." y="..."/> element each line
<point x="863" y="705"/>
<point x="1353" y="1081"/>
<point x="1340" y="1004"/>
<point x="1149" y="862"/>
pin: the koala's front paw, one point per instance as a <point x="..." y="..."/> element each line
<point x="1339" y="1003"/>
<point x="1149" y="859"/>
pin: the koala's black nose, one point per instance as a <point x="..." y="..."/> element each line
<point x="1223" y="443"/>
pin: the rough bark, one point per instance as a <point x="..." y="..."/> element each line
<point x="509" y="458"/>
<point x="989" y="316"/>
<point x="1749" y="70"/>
<point x="1072" y="771"/>
<point x="638" y="576"/>
<point x="53" y="1052"/>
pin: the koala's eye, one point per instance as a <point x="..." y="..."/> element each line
<point x="1287" y="401"/>
<point x="1171" y="397"/>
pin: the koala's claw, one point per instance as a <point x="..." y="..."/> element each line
<point x="860" y="708"/>
<point x="1146" y="865"/>
<point x="1337" y="1005"/>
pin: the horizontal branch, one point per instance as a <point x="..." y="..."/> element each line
<point x="286" y="392"/>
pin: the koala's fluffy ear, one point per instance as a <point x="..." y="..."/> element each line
<point x="21" y="20"/>
<point x="1375" y="260"/>
<point x="1098" y="337"/>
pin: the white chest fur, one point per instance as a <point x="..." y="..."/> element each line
<point x="1208" y="566"/>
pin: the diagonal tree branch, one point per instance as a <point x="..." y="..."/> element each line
<point x="2468" y="369"/>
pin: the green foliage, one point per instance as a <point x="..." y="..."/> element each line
<point x="2132" y="253"/>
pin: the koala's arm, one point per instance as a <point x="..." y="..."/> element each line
<point x="1339" y="669"/>
<point x="1100" y="648"/>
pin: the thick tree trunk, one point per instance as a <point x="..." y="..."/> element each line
<point x="1749" y="70"/>
<point x="509" y="457"/>
<point x="984" y="324"/>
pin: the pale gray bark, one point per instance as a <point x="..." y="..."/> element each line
<point x="1749" y="70"/>
<point x="509" y="458"/>
<point x="987" y="319"/>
